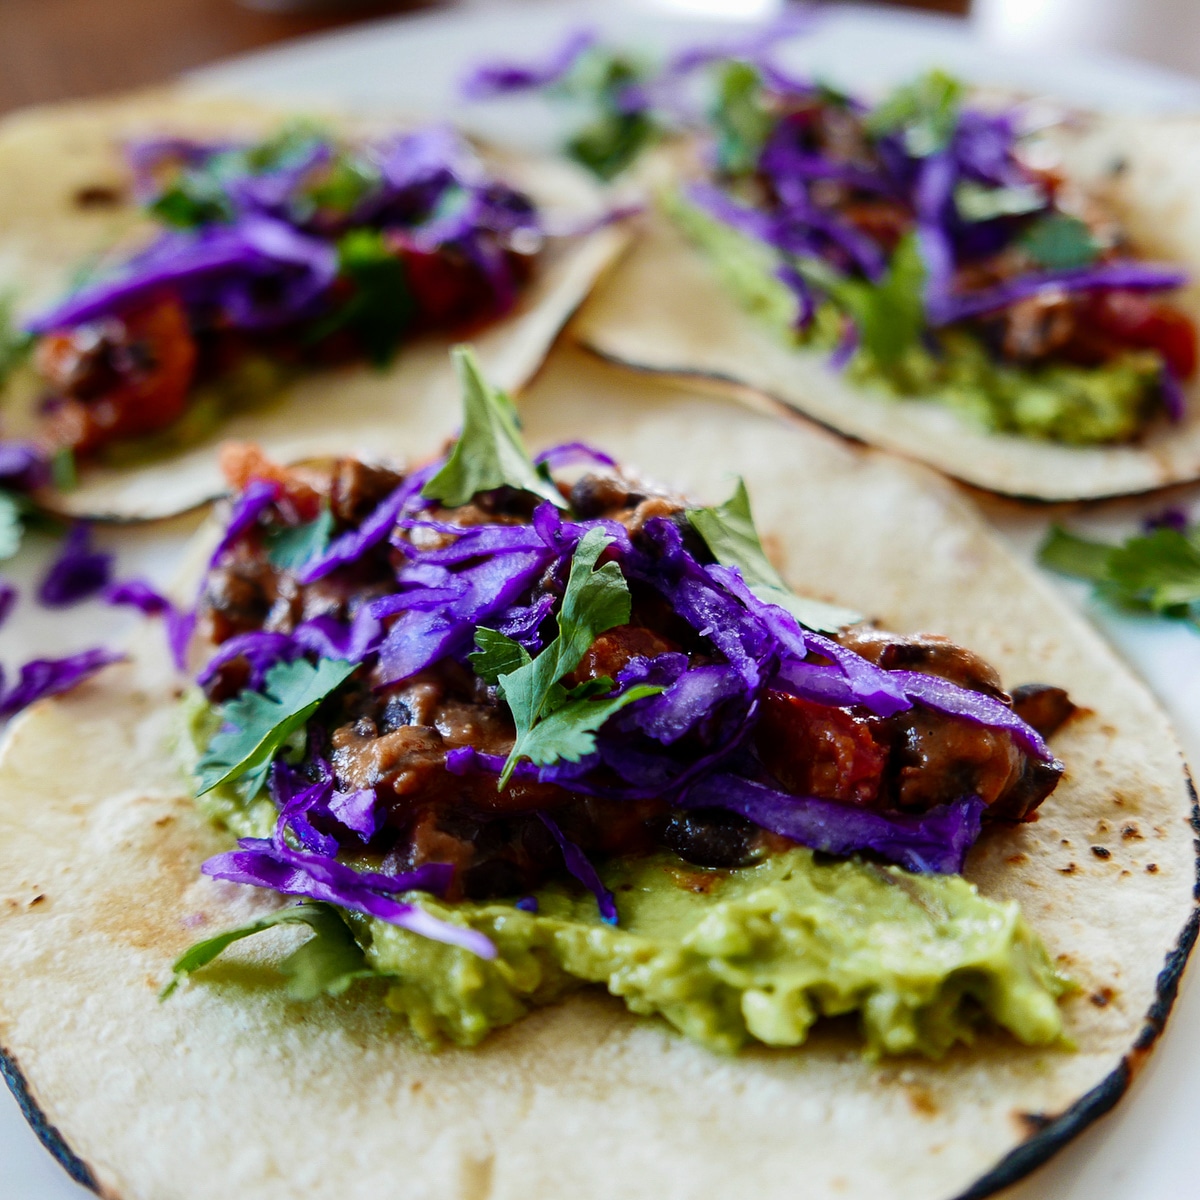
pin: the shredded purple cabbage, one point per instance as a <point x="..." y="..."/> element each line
<point x="501" y="78"/>
<point x="273" y="864"/>
<point x="179" y="624"/>
<point x="259" y="495"/>
<point x="8" y="599"/>
<point x="934" y="842"/>
<point x="49" y="676"/>
<point x="579" y="866"/>
<point x="23" y="467"/>
<point x="79" y="571"/>
<point x="268" y="258"/>
<point x="1126" y="276"/>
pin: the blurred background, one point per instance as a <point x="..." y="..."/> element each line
<point x="58" y="49"/>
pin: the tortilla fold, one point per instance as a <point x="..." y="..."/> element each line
<point x="664" y="310"/>
<point x="228" y="1089"/>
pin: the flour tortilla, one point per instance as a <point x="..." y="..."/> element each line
<point x="666" y="311"/>
<point x="52" y="157"/>
<point x="228" y="1089"/>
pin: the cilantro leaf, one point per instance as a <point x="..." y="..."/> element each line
<point x="890" y="314"/>
<point x="619" y="131"/>
<point x="925" y="112"/>
<point x="382" y="306"/>
<point x="569" y="732"/>
<point x="290" y="548"/>
<point x="977" y="202"/>
<point x="496" y="655"/>
<point x="1060" y="243"/>
<point x="328" y="963"/>
<point x="490" y="453"/>
<point x="728" y="531"/>
<point x="1161" y="569"/>
<point x="593" y="602"/>
<point x="740" y="119"/>
<point x="1071" y="555"/>
<point x="255" y="725"/>
<point x="194" y="197"/>
<point x="1156" y="572"/>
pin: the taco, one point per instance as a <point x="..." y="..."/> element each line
<point x="935" y="274"/>
<point x="185" y="268"/>
<point x="662" y="708"/>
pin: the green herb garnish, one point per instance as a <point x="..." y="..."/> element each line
<point x="619" y="132"/>
<point x="740" y="119"/>
<point x="1060" y="243"/>
<point x="890" y="313"/>
<point x="977" y="202"/>
<point x="1155" y="572"/>
<point x="12" y="523"/>
<point x="327" y="964"/>
<point x="490" y="453"/>
<point x="925" y="112"/>
<point x="381" y="306"/>
<point x="256" y="725"/>
<point x="728" y="531"/>
<point x="554" y="723"/>
<point x="291" y="548"/>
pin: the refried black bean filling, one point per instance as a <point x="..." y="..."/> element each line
<point x="394" y="739"/>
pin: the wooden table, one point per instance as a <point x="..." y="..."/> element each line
<point x="56" y="49"/>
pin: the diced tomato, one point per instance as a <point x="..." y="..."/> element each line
<point x="817" y="750"/>
<point x="448" y="291"/>
<point x="242" y="462"/>
<point x="122" y="378"/>
<point x="1135" y="320"/>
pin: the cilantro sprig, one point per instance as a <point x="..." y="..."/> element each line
<point x="292" y="547"/>
<point x="925" y="113"/>
<point x="1156" y="572"/>
<point x="489" y="453"/>
<point x="257" y="725"/>
<point x="729" y="532"/>
<point x="740" y="118"/>
<point x="326" y="964"/>
<point x="553" y="723"/>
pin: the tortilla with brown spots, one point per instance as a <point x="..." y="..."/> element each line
<point x="227" y="1089"/>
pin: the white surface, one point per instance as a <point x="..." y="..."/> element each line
<point x="1148" y="1149"/>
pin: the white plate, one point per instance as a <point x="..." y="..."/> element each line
<point x="1148" y="1150"/>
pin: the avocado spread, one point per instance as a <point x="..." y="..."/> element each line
<point x="1060" y="402"/>
<point x="754" y="953"/>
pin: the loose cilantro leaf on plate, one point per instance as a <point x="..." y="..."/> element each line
<point x="327" y="964"/>
<point x="890" y="314"/>
<point x="728" y="531"/>
<point x="740" y="119"/>
<point x="289" y="549"/>
<point x="594" y="601"/>
<point x="490" y="453"/>
<point x="1157" y="572"/>
<point x="256" y="725"/>
<point x="1060" y="243"/>
<point x="925" y="112"/>
<point x="1071" y="555"/>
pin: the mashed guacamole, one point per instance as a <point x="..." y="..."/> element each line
<point x="1062" y="402"/>
<point x="727" y="957"/>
